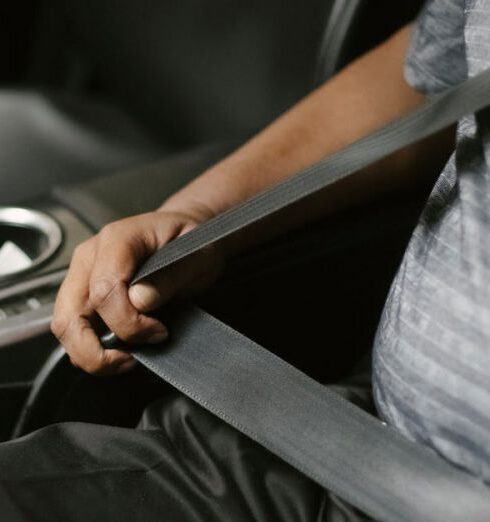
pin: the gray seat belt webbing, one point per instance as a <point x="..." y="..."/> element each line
<point x="312" y="428"/>
<point x="333" y="442"/>
<point x="433" y="116"/>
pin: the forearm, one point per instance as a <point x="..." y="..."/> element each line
<point x="366" y="95"/>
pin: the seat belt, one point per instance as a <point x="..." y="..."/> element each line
<point x="315" y="430"/>
<point x="328" y="439"/>
<point x="436" y="114"/>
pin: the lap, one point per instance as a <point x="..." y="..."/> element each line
<point x="180" y="464"/>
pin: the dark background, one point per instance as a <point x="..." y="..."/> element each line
<point x="189" y="71"/>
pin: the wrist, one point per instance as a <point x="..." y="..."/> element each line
<point x="196" y="210"/>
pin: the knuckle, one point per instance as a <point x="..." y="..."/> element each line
<point x="109" y="230"/>
<point x="82" y="249"/>
<point x="126" y="336"/>
<point x="99" y="364"/>
<point x="59" y="326"/>
<point x="131" y="329"/>
<point x="94" y="367"/>
<point x="73" y="361"/>
<point x="106" y="229"/>
<point x="94" y="364"/>
<point x="100" y="290"/>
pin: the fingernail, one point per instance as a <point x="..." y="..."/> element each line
<point x="143" y="296"/>
<point x="158" y="337"/>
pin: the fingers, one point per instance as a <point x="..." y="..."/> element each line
<point x="96" y="287"/>
<point x="111" y="302"/>
<point x="84" y="349"/>
<point x="71" y="324"/>
<point x="117" y="256"/>
<point x="158" y="289"/>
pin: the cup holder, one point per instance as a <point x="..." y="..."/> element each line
<point x="28" y="238"/>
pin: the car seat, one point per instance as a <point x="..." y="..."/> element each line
<point x="114" y="84"/>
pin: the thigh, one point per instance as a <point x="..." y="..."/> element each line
<point x="181" y="464"/>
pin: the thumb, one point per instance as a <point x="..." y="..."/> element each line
<point x="148" y="294"/>
<point x="145" y="296"/>
<point x="161" y="287"/>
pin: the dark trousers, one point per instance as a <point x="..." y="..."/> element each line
<point x="179" y="464"/>
<point x="307" y="298"/>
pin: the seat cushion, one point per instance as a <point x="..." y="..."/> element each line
<point x="47" y="139"/>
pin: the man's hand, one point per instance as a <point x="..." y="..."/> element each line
<point x="97" y="288"/>
<point x="368" y="93"/>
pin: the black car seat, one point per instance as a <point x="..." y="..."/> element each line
<point x="46" y="139"/>
<point x="115" y="84"/>
<point x="112" y="84"/>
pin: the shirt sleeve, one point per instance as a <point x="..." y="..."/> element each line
<point x="436" y="59"/>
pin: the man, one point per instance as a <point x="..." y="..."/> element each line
<point x="431" y="354"/>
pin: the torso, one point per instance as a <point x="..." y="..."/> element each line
<point x="432" y="351"/>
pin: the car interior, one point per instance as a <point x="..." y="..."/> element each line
<point x="115" y="105"/>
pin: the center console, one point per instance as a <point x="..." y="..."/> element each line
<point x="36" y="244"/>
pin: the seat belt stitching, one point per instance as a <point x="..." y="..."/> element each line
<point x="327" y="483"/>
<point x="409" y="495"/>
<point x="441" y="103"/>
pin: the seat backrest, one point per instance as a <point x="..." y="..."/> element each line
<point x="197" y="72"/>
